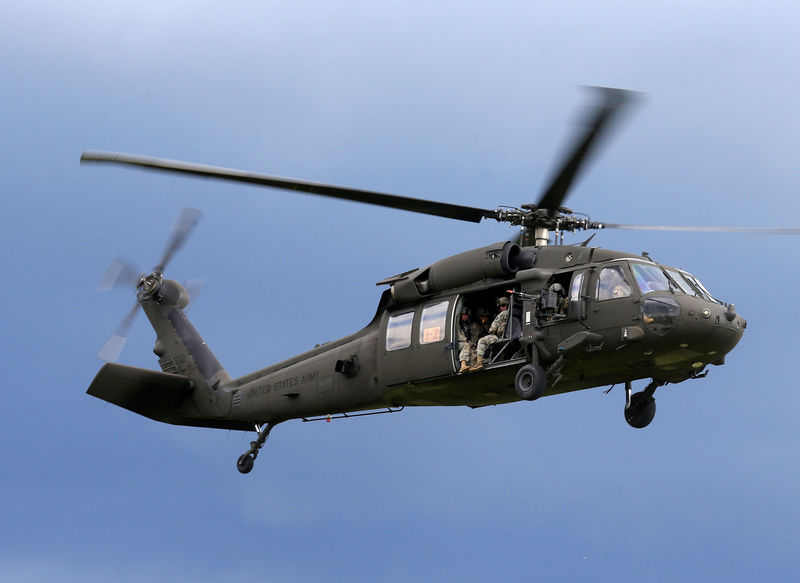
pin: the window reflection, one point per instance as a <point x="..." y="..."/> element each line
<point x="398" y="331"/>
<point x="432" y="324"/>
<point x="649" y="278"/>
<point x="575" y="288"/>
<point x="612" y="284"/>
<point x="682" y="282"/>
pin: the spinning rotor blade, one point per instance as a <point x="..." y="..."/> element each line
<point x="113" y="347"/>
<point x="186" y="221"/>
<point x="596" y="124"/>
<point x="747" y="230"/>
<point x="428" y="207"/>
<point x="193" y="288"/>
<point x="120" y="273"/>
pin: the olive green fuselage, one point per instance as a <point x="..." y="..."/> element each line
<point x="593" y="343"/>
<point x="587" y="316"/>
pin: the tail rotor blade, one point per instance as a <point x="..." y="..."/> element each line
<point x="186" y="221"/>
<point x="111" y="350"/>
<point x="193" y="288"/>
<point x="120" y="273"/>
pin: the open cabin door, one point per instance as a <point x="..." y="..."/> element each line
<point x="417" y="342"/>
<point x="482" y="307"/>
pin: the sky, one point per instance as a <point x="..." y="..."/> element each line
<point x="463" y="102"/>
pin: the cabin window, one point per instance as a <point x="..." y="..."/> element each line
<point x="431" y="326"/>
<point x="398" y="331"/>
<point x="649" y="277"/>
<point x="612" y="284"/>
<point x="575" y="288"/>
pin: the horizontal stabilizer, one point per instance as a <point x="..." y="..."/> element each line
<point x="154" y="394"/>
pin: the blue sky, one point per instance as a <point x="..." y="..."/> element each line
<point x="461" y="102"/>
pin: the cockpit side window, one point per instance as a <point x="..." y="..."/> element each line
<point x="649" y="278"/>
<point x="612" y="284"/>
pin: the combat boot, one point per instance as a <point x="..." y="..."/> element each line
<point x="478" y="365"/>
<point x="464" y="367"/>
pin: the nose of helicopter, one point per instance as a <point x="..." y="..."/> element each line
<point x="712" y="330"/>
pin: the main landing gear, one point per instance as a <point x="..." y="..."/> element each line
<point x="246" y="461"/>
<point x="640" y="408"/>
<point x="530" y="382"/>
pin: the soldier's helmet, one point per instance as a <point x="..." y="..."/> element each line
<point x="482" y="312"/>
<point x="466" y="311"/>
<point x="557" y="288"/>
<point x="502" y="301"/>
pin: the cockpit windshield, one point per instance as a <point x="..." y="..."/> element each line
<point x="703" y="291"/>
<point x="651" y="277"/>
<point x="689" y="284"/>
<point x="682" y="282"/>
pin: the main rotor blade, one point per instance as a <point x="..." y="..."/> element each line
<point x="597" y="122"/>
<point x="428" y="207"/>
<point x="111" y="350"/>
<point x="746" y="230"/>
<point x="186" y="221"/>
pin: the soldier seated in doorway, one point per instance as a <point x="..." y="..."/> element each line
<point x="468" y="333"/>
<point x="496" y="331"/>
<point x="483" y="324"/>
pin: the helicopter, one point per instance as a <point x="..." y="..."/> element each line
<point x="563" y="318"/>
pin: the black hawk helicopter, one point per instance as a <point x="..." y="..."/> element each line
<point x="554" y="318"/>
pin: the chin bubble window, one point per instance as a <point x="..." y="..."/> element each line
<point x="660" y="315"/>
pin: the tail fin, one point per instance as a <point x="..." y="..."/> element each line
<point x="192" y="388"/>
<point x="180" y="348"/>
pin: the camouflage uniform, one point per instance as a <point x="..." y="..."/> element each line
<point x="468" y="333"/>
<point x="496" y="330"/>
<point x="482" y="328"/>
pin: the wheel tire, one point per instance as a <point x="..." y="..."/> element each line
<point x="531" y="382"/>
<point x="642" y="410"/>
<point x="245" y="463"/>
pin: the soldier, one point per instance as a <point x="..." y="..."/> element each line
<point x="562" y="303"/>
<point x="482" y="324"/>
<point x="496" y="330"/>
<point x="467" y="335"/>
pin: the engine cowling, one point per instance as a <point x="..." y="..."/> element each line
<point x="501" y="260"/>
<point x="172" y="293"/>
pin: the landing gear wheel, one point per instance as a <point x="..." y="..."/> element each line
<point x="245" y="463"/>
<point x="531" y="382"/>
<point x="641" y="410"/>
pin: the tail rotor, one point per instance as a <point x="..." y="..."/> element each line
<point x="123" y="273"/>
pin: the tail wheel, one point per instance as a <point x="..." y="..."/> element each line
<point x="531" y="382"/>
<point x="245" y="463"/>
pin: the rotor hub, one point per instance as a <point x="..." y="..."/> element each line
<point x="532" y="217"/>
<point x="149" y="284"/>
